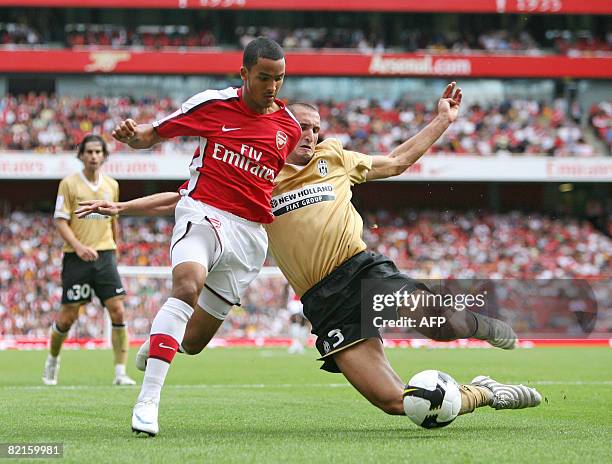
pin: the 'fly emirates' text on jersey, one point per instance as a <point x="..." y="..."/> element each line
<point x="316" y="227"/>
<point x="240" y="151"/>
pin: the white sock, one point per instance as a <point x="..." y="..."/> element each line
<point x="52" y="359"/>
<point x="170" y="320"/>
<point x="155" y="374"/>
<point x="119" y="370"/>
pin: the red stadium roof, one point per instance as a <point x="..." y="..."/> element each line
<point x="442" y="6"/>
<point x="304" y="64"/>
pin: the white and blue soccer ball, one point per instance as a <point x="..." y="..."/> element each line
<point x="432" y="399"/>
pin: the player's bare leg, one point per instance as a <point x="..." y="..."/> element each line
<point x="378" y="383"/>
<point x="201" y="328"/>
<point x="59" y="331"/>
<point x="462" y="324"/>
<point x="366" y="367"/>
<point x="167" y="331"/>
<point x="119" y="339"/>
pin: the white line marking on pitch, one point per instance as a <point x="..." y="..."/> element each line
<point x="187" y="386"/>
<point x="275" y="385"/>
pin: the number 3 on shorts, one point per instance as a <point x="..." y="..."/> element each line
<point x="336" y="334"/>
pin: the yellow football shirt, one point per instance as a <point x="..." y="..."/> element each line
<point x="316" y="227"/>
<point x="94" y="230"/>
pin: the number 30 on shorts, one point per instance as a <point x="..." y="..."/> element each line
<point x="78" y="292"/>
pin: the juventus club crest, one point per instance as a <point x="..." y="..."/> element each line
<point x="281" y="140"/>
<point x="322" y="167"/>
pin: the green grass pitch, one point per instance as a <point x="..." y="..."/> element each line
<point x="264" y="405"/>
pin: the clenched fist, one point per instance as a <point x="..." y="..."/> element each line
<point x="125" y="131"/>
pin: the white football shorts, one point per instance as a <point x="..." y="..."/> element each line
<point x="231" y="248"/>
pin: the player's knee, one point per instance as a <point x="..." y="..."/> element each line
<point x="67" y="316"/>
<point x="116" y="313"/>
<point x="63" y="325"/>
<point x="187" y="291"/>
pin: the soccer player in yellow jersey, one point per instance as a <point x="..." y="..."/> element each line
<point x="90" y="262"/>
<point x="316" y="240"/>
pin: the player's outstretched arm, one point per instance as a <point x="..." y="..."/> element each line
<point x="158" y="204"/>
<point x="136" y="135"/>
<point x="408" y="153"/>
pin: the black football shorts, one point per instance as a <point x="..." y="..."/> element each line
<point x="333" y="306"/>
<point x="81" y="278"/>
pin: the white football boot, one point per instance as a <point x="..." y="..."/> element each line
<point x="509" y="396"/>
<point x="142" y="356"/>
<point x="123" y="380"/>
<point x="51" y="371"/>
<point x="144" y="417"/>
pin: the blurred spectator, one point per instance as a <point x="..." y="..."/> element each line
<point x="600" y="119"/>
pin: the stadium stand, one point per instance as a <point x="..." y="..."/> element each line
<point x="167" y="36"/>
<point x="427" y="244"/>
<point x="48" y="124"/>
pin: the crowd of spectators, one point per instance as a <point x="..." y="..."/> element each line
<point x="18" y="34"/>
<point x="48" y="124"/>
<point x="148" y="37"/>
<point x="425" y="244"/>
<point x="154" y="37"/>
<point x="510" y="127"/>
<point x="314" y="38"/>
<point x="470" y="245"/>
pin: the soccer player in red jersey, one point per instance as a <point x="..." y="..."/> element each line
<point x="218" y="244"/>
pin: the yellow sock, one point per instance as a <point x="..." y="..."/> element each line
<point x="473" y="397"/>
<point x="120" y="341"/>
<point x="57" y="340"/>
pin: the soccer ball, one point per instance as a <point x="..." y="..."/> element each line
<point x="432" y="399"/>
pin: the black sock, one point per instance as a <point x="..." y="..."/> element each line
<point x="481" y="332"/>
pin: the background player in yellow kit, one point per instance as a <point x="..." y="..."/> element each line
<point x="90" y="261"/>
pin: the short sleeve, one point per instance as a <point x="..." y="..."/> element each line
<point x="191" y="119"/>
<point x="63" y="202"/>
<point x="356" y="165"/>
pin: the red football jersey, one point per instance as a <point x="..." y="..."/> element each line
<point x="240" y="152"/>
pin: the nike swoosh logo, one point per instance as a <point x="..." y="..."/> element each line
<point x="161" y="345"/>
<point x="118" y="290"/>
<point x="228" y="129"/>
